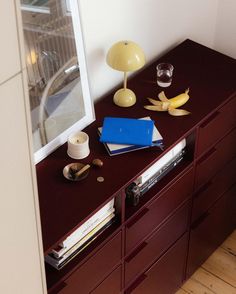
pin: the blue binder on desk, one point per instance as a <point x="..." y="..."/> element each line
<point x="127" y="131"/>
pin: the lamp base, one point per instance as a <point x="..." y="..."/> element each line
<point x="124" y="98"/>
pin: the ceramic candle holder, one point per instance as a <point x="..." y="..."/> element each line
<point x="78" y="145"/>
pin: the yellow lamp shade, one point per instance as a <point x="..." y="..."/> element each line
<point x="125" y="56"/>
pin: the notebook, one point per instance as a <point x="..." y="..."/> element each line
<point x="115" y="149"/>
<point x="129" y="131"/>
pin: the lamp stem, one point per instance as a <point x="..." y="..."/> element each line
<point x="125" y="80"/>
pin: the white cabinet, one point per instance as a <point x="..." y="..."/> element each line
<point x="9" y="49"/>
<point x="20" y="269"/>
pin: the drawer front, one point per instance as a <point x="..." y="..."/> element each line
<point x="215" y="159"/>
<point x="216" y="126"/>
<point x="211" y="229"/>
<point x="166" y="275"/>
<point x="96" y="268"/>
<point x="112" y="284"/>
<point x="151" y="217"/>
<point x="213" y="189"/>
<point x="152" y="248"/>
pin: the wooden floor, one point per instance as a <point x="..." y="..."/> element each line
<point x="218" y="274"/>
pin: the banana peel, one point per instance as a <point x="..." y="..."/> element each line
<point x="170" y="105"/>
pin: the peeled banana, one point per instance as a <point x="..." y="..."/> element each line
<point x="169" y="105"/>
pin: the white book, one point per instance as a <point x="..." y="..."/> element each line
<point x="78" y="247"/>
<point x="58" y="252"/>
<point x="162" y="162"/>
<point x="88" y="225"/>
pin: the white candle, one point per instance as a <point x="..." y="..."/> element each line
<point x="78" y="145"/>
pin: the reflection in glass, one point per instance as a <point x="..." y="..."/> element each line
<point x="55" y="91"/>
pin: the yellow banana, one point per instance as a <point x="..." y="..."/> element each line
<point x="155" y="107"/>
<point x="177" y="112"/>
<point x="169" y="105"/>
<point x="155" y="102"/>
<point x="180" y="99"/>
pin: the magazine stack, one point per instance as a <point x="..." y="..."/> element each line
<point x="81" y="237"/>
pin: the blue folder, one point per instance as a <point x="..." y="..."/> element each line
<point x="118" y="130"/>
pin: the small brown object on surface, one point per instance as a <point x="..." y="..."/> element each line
<point x="97" y="162"/>
<point x="82" y="170"/>
<point x="76" y="171"/>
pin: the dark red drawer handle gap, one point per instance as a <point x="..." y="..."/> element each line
<point x="199" y="220"/>
<point x="207" y="155"/>
<point x="136" y="251"/>
<point x="139" y="280"/>
<point x="137" y="217"/>
<point x="202" y="189"/>
<point x="210" y="119"/>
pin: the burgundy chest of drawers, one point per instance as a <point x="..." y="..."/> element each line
<point x="154" y="246"/>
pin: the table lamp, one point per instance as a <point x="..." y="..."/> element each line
<point x="125" y="56"/>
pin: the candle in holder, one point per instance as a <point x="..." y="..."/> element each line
<point x="78" y="145"/>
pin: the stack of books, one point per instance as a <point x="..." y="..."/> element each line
<point x="81" y="237"/>
<point x="154" y="136"/>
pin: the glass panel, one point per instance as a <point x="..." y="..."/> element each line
<point x="54" y="75"/>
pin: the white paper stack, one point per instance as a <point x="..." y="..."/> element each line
<point x="165" y="159"/>
<point x="82" y="236"/>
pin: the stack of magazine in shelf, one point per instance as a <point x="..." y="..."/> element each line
<point x="81" y="237"/>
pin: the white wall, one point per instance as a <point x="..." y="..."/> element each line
<point x="156" y="25"/>
<point x="225" y="34"/>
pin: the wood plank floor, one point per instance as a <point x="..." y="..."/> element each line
<point x="218" y="274"/>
